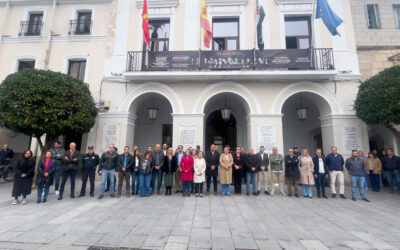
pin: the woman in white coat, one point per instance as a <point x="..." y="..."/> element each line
<point x="199" y="174"/>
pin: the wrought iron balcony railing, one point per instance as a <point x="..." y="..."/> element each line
<point x="285" y="59"/>
<point x="80" y="27"/>
<point x="30" y="28"/>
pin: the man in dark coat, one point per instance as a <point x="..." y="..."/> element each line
<point x="212" y="163"/>
<point x="70" y="167"/>
<point x="252" y="167"/>
<point x="108" y="170"/>
<point x="125" y="163"/>
<point x="292" y="172"/>
<point x="157" y="157"/>
<point x="6" y="155"/>
<point x="90" y="161"/>
<point x="321" y="173"/>
<point x="262" y="175"/>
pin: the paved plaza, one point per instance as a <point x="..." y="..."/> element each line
<point x="175" y="222"/>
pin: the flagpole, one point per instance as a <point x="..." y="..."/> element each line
<point x="312" y="33"/>
<point x="200" y="29"/>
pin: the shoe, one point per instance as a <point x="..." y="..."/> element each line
<point x="44" y="200"/>
<point x="106" y="190"/>
<point x="158" y="192"/>
<point x="57" y="192"/>
<point x="137" y="193"/>
<point x="215" y="194"/>
<point x="72" y="196"/>
<point x="15" y="202"/>
<point x="188" y="194"/>
<point x="305" y="196"/>
<point x="112" y="195"/>
<point x="201" y="195"/>
<point x="152" y="192"/>
<point x="177" y="191"/>
<point x="247" y="193"/>
<point x="310" y="197"/>
<point x="118" y="196"/>
<point x="59" y="197"/>
<point x="229" y="195"/>
<point x="38" y="201"/>
<point x="319" y="196"/>
<point x="283" y="195"/>
<point x="258" y="192"/>
<point x="183" y="194"/>
<point x="266" y="192"/>
<point x="127" y="195"/>
<point x="326" y="197"/>
<point x="197" y="195"/>
<point x="23" y="201"/>
<point x="297" y="195"/>
<point x="365" y="199"/>
<point x="333" y="195"/>
<point x="81" y="195"/>
<point x="272" y="194"/>
<point x="353" y="198"/>
<point x="133" y="193"/>
<point x="255" y="193"/>
<point x="208" y="193"/>
<point x="91" y="195"/>
<point x="100" y="197"/>
<point x="342" y="196"/>
<point x="290" y="195"/>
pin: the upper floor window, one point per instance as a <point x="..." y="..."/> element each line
<point x="298" y="32"/>
<point x="26" y="64"/>
<point x="76" y="69"/>
<point x="225" y="33"/>
<point x="396" y="9"/>
<point x="159" y="35"/>
<point x="33" y="26"/>
<point x="373" y="19"/>
<point x="82" y="25"/>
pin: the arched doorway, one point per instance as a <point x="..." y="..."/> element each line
<point x="153" y="120"/>
<point x="232" y="131"/>
<point x="301" y="121"/>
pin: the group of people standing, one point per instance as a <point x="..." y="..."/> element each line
<point x="188" y="170"/>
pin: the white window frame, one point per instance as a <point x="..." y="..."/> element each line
<point x="76" y="10"/>
<point x="377" y="16"/>
<point x="76" y="57"/>
<point x="396" y="18"/>
<point x="15" y="64"/>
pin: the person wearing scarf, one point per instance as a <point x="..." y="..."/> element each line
<point x="45" y="176"/>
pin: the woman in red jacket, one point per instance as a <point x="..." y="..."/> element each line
<point x="187" y="172"/>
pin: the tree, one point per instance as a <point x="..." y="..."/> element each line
<point x="378" y="100"/>
<point x="37" y="102"/>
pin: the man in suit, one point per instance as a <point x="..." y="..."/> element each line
<point x="262" y="175"/>
<point x="125" y="162"/>
<point x="70" y="167"/>
<point x="212" y="163"/>
<point x="178" y="183"/>
<point x="157" y="157"/>
<point x="165" y="149"/>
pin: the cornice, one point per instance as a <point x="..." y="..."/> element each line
<point x="49" y="2"/>
<point x="158" y="3"/>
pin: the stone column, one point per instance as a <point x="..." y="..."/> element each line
<point x="188" y="122"/>
<point x="266" y="130"/>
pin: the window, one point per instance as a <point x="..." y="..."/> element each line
<point x="225" y="33"/>
<point x="26" y="64"/>
<point x="83" y="22"/>
<point x="77" y="68"/>
<point x="34" y="25"/>
<point x="298" y="32"/>
<point x="159" y="35"/>
<point x="396" y="10"/>
<point x="373" y="16"/>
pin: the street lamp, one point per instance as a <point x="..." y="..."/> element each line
<point x="301" y="111"/>
<point x="226" y="112"/>
<point x="152" y="111"/>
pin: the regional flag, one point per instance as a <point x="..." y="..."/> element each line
<point x="205" y="24"/>
<point x="145" y="25"/>
<point x="331" y="20"/>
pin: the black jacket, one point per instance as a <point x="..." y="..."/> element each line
<point x="263" y="162"/>
<point x="90" y="162"/>
<point x="154" y="155"/>
<point x="239" y="161"/>
<point x="6" y="156"/>
<point x="392" y="164"/>
<point x="129" y="162"/>
<point x="292" y="166"/>
<point x="252" y="161"/>
<point x="40" y="178"/>
<point x="165" y="168"/>
<point x="149" y="168"/>
<point x="25" y="166"/>
<point x="316" y="165"/>
<point x="73" y="160"/>
<point x="109" y="161"/>
<point x="212" y="160"/>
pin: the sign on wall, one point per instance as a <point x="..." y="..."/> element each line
<point x="351" y="138"/>
<point x="227" y="59"/>
<point x="111" y="134"/>
<point x="187" y="135"/>
<point x="283" y="59"/>
<point x="173" y="60"/>
<point x="266" y="136"/>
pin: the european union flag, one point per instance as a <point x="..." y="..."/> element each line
<point x="331" y="20"/>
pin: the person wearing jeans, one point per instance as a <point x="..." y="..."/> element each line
<point x="187" y="164"/>
<point x="145" y="169"/>
<point x="335" y="162"/>
<point x="252" y="167"/>
<point x="107" y="170"/>
<point x="157" y="157"/>
<point x="306" y="173"/>
<point x="392" y="168"/>
<point x="373" y="167"/>
<point x="58" y="155"/>
<point x="355" y="166"/>
<point x="320" y="173"/>
<point x="135" y="172"/>
<point x="212" y="162"/>
<point x="226" y="162"/>
<point x="125" y="162"/>
<point x="292" y="173"/>
<point x="70" y="167"/>
<point x="45" y="176"/>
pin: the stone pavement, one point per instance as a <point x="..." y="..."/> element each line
<point x="175" y="222"/>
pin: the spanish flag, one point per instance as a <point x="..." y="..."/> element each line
<point x="145" y="25"/>
<point x="205" y="24"/>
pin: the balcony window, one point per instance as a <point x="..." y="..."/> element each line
<point x="26" y="64"/>
<point x="76" y="69"/>
<point x="225" y="33"/>
<point x="373" y="19"/>
<point x="82" y="25"/>
<point x="396" y="10"/>
<point x="298" y="32"/>
<point x="159" y="35"/>
<point x="33" y="26"/>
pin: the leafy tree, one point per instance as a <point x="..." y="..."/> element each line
<point x="378" y="100"/>
<point x="37" y="102"/>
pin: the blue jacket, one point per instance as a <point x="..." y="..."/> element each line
<point x="334" y="163"/>
<point x="90" y="162"/>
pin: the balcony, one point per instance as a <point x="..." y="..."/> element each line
<point x="30" y="28"/>
<point x="80" y="27"/>
<point x="230" y="65"/>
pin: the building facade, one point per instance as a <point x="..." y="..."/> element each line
<point x="377" y="34"/>
<point x="299" y="90"/>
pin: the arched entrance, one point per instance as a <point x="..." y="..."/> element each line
<point x="301" y="121"/>
<point x="153" y="120"/>
<point x="232" y="131"/>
